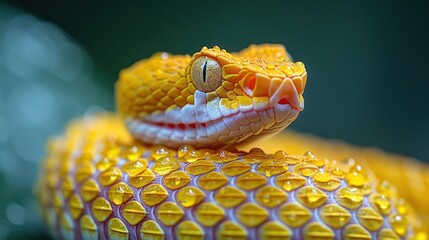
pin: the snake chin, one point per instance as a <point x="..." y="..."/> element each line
<point x="172" y="130"/>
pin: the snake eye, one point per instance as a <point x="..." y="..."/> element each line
<point x="206" y="74"/>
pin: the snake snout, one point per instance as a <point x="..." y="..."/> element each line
<point x="280" y="91"/>
<point x="285" y="92"/>
<point x="288" y="91"/>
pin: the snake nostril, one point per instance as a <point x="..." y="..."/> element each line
<point x="284" y="101"/>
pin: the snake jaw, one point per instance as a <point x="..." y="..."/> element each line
<point x="213" y="122"/>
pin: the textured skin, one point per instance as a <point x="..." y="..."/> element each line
<point x="100" y="181"/>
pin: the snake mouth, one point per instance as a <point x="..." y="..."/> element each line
<point x="233" y="128"/>
<point x="177" y="126"/>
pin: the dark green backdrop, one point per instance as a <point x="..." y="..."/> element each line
<point x="367" y="60"/>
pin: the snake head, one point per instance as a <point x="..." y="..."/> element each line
<point x="212" y="99"/>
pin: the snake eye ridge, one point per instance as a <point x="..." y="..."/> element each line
<point x="206" y="74"/>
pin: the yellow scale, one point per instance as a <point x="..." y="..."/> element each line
<point x="213" y="186"/>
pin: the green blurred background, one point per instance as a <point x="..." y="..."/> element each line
<point x="367" y="63"/>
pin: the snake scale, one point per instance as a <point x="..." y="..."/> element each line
<point x="186" y="158"/>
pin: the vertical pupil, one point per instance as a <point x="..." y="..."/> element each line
<point x="205" y="71"/>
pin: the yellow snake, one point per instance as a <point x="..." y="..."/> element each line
<point x="178" y="163"/>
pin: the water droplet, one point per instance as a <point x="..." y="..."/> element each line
<point x="15" y="213"/>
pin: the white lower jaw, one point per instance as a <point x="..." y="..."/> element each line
<point x="226" y="130"/>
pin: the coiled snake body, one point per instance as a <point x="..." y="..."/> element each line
<point x="174" y="164"/>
